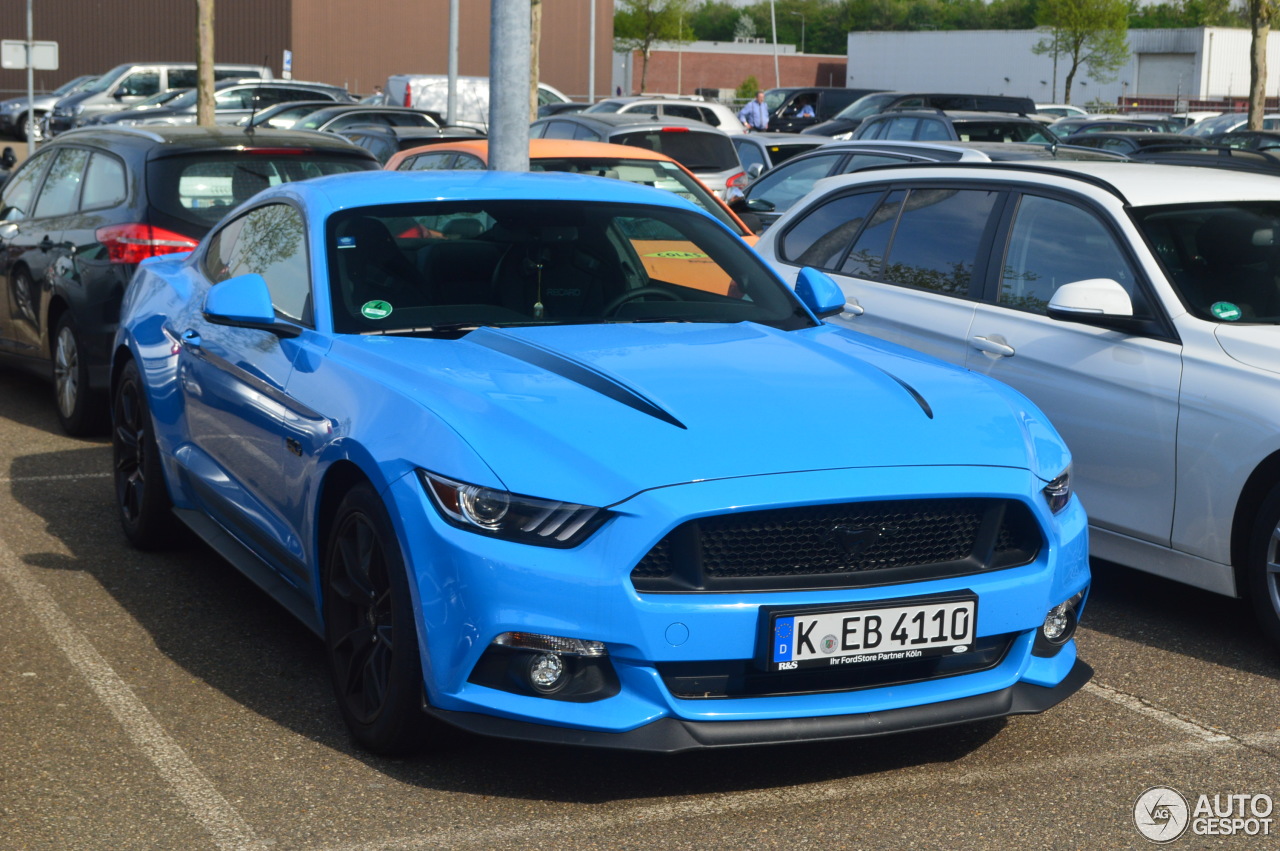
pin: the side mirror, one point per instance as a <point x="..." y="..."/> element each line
<point x="755" y="170"/>
<point x="8" y="159"/>
<point x="1097" y="301"/>
<point x="819" y="292"/>
<point x="245" y="302"/>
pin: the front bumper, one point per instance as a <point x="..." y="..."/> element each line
<point x="469" y="589"/>
<point x="673" y="735"/>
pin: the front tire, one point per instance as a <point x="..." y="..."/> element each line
<point x="370" y="633"/>
<point x="142" y="498"/>
<point x="80" y="411"/>
<point x="1262" y="571"/>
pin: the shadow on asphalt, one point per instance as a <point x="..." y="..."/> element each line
<point x="1157" y="612"/>
<point x="220" y="628"/>
<point x="28" y="399"/>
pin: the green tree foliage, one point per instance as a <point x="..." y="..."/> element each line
<point x="639" y="24"/>
<point x="748" y="89"/>
<point x="1085" y="34"/>
<point x="1188" y="13"/>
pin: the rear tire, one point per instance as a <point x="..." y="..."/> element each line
<point x="80" y="410"/>
<point x="370" y="631"/>
<point x="142" y="497"/>
<point x="1262" y="571"/>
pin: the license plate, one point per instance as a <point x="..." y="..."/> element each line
<point x="877" y="633"/>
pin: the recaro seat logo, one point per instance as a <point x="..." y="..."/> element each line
<point x="1161" y="814"/>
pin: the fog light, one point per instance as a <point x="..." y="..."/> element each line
<point x="1058" y="627"/>
<point x="546" y="673"/>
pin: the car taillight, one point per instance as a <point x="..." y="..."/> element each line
<point x="408" y="95"/>
<point x="133" y="243"/>
<point x="675" y="129"/>
<point x="732" y="183"/>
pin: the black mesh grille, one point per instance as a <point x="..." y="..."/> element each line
<point x="853" y="544"/>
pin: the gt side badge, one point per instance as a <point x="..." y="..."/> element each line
<point x="376" y="309"/>
<point x="1225" y="310"/>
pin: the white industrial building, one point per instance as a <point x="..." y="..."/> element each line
<point x="1200" y="64"/>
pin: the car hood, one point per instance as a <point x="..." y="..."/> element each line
<point x="1255" y="345"/>
<point x="597" y="413"/>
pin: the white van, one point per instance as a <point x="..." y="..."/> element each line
<point x="124" y="85"/>
<point x="431" y="92"/>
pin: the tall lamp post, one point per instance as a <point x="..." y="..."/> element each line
<point x="801" y="14"/>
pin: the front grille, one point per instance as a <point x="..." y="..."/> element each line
<point x="742" y="678"/>
<point x="840" y="546"/>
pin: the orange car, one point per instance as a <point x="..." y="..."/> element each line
<point x="679" y="263"/>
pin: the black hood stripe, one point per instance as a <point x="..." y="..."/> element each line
<point x="572" y="370"/>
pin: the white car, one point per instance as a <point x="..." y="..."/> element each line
<point x="1136" y="304"/>
<point x="711" y="112"/>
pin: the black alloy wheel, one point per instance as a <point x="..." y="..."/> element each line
<point x="369" y="629"/>
<point x="142" y="497"/>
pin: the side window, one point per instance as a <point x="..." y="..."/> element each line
<point x="272" y="243"/>
<point x="232" y="99"/>
<point x="140" y="84"/>
<point x="1054" y="242"/>
<point x="867" y="256"/>
<point x="466" y="162"/>
<point x="900" y="129"/>
<point x="821" y="237"/>
<point x="585" y="134"/>
<point x="182" y="78"/>
<point x="217" y="258"/>
<point x="933" y="131"/>
<point x="708" y="116"/>
<point x="939" y="238"/>
<point x="749" y="154"/>
<point x="62" y="187"/>
<point x="783" y="187"/>
<point x="559" y="130"/>
<point x="644" y="109"/>
<point x="19" y="191"/>
<point x="681" y="110"/>
<point x="104" y="182"/>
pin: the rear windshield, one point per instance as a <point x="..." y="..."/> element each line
<point x="199" y="188"/>
<point x="693" y="150"/>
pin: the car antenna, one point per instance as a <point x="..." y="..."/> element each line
<point x="253" y="110"/>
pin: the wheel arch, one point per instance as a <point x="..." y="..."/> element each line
<point x="1264" y="478"/>
<point x="339" y="479"/>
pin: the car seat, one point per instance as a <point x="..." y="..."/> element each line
<point x="372" y="267"/>
<point x="1238" y="253"/>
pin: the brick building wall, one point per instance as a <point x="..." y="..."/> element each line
<point x="682" y="72"/>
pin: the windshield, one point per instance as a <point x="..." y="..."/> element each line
<point x="1223" y="258"/>
<point x="774" y="98"/>
<point x="443" y="267"/>
<point x="867" y="105"/>
<point x="73" y="85"/>
<point x="108" y="79"/>
<point x="1217" y="124"/>
<point x="1003" y="131"/>
<point x="657" y="173"/>
<point x="605" y="106"/>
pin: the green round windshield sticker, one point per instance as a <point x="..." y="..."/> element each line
<point x="376" y="309"/>
<point x="1225" y="310"/>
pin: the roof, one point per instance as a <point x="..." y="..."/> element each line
<point x="192" y="137"/>
<point x="1138" y="184"/>
<point x="360" y="189"/>
<point x="629" y="121"/>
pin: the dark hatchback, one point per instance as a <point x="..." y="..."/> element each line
<point x="78" y="216"/>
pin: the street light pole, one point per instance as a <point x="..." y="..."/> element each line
<point x="801" y="14"/>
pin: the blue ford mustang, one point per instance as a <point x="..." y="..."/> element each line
<point x="559" y="458"/>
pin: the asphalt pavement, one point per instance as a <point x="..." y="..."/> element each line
<point x="160" y="701"/>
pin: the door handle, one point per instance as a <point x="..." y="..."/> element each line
<point x="46" y="244"/>
<point x="993" y="345"/>
<point x="852" y="307"/>
<point x="191" y="338"/>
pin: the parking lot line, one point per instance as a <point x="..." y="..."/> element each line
<point x="1188" y="726"/>
<point x="856" y="791"/>
<point x="202" y="800"/>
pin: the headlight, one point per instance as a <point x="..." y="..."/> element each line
<point x="525" y="519"/>
<point x="13" y="107"/>
<point x="1058" y="492"/>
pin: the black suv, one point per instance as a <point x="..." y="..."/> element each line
<point x="78" y="216"/>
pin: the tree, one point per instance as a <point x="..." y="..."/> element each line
<point x="535" y="55"/>
<point x="745" y="27"/>
<point x="1260" y="13"/>
<point x="1090" y="34"/>
<point x="639" y="24"/>
<point x="204" y="63"/>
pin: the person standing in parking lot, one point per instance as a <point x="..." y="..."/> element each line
<point x="755" y="115"/>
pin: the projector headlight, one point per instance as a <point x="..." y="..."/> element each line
<point x="525" y="519"/>
<point x="1058" y="492"/>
